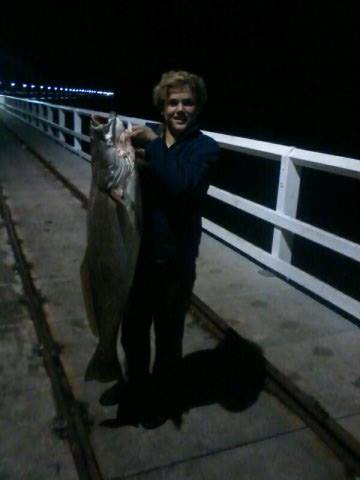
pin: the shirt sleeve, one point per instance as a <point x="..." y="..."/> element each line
<point x="184" y="173"/>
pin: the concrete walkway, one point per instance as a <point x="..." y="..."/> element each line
<point x="315" y="346"/>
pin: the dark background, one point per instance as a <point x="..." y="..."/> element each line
<point x="282" y="71"/>
<point x="286" y="72"/>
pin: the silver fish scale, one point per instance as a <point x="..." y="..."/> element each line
<point x="113" y="242"/>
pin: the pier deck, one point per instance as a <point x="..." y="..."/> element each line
<point x="312" y="344"/>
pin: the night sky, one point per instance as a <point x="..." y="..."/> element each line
<point x="281" y="71"/>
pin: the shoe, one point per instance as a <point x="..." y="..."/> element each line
<point x="123" y="418"/>
<point x="128" y="409"/>
<point x="112" y="396"/>
<point x="154" y="412"/>
<point x="151" y="421"/>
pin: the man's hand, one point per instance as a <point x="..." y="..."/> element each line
<point x="141" y="135"/>
<point x="140" y="153"/>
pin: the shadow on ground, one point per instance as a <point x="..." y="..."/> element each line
<point x="231" y="375"/>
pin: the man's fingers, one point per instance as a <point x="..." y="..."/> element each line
<point x="141" y="135"/>
<point x="134" y="133"/>
<point x="98" y="120"/>
<point x="140" y="153"/>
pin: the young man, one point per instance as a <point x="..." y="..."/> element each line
<point x="174" y="178"/>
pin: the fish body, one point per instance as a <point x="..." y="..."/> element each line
<point x="113" y="241"/>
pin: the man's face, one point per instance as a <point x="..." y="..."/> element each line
<point x="180" y="110"/>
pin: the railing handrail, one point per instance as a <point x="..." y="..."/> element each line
<point x="345" y="165"/>
<point x="283" y="217"/>
<point x="272" y="151"/>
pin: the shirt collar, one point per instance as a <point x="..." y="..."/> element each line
<point x="192" y="131"/>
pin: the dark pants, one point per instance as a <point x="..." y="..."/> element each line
<point x="160" y="294"/>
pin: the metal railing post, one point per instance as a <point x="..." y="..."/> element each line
<point x="50" y="117"/>
<point x="44" y="125"/>
<point x="287" y="203"/>
<point x="77" y="129"/>
<point x="33" y="111"/>
<point x="61" y="124"/>
<point x="37" y="113"/>
<point x="30" y="109"/>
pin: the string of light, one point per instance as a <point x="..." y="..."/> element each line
<point x="50" y="88"/>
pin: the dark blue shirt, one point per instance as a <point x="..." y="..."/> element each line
<point x="174" y="185"/>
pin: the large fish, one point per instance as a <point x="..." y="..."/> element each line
<point x="113" y="240"/>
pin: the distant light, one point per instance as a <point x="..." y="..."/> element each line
<point x="13" y="84"/>
<point x="68" y="89"/>
<point x="24" y="85"/>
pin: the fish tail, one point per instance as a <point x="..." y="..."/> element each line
<point x="103" y="369"/>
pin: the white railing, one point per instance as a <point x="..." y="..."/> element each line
<point x="283" y="218"/>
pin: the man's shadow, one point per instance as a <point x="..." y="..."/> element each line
<point x="232" y="375"/>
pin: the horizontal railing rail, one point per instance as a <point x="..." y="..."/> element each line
<point x="41" y="115"/>
<point x="305" y="230"/>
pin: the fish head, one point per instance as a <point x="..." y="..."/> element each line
<point x="109" y="130"/>
<point x="117" y="128"/>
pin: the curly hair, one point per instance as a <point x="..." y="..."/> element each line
<point x="179" y="79"/>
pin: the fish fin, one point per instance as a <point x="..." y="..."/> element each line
<point x="102" y="369"/>
<point x="88" y="295"/>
